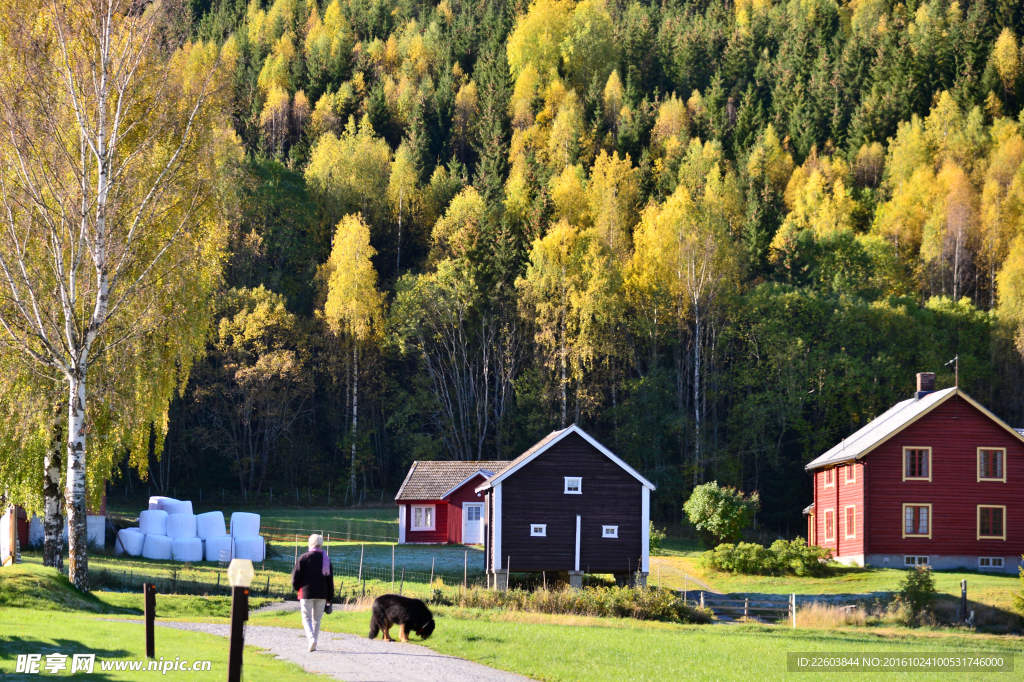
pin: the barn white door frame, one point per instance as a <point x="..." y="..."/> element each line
<point x="578" y="522"/>
<point x="472" y="522"/>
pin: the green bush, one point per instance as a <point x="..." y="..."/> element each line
<point x="782" y="558"/>
<point x="614" y="602"/>
<point x="720" y="514"/>
<point x="1018" y="598"/>
<point x="657" y="537"/>
<point x="917" y="592"/>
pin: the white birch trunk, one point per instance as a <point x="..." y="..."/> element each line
<point x="74" y="490"/>
<point x="53" y="519"/>
<point x="355" y="411"/>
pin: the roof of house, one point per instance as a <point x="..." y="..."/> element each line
<point x="546" y="443"/>
<point x="435" y="480"/>
<point x="891" y="422"/>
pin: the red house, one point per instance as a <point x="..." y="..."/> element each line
<point x="438" y="503"/>
<point x="936" y="480"/>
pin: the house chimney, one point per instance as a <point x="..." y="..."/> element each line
<point x="925" y="384"/>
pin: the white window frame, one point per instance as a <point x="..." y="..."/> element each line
<point x="850" y="469"/>
<point x="991" y="562"/>
<point x="614" y="532"/>
<point x="538" y="530"/>
<point x="846" y="522"/>
<point x="579" y="485"/>
<point x="825" y="514"/>
<point x="915" y="563"/>
<point x="412" y="517"/>
<point x="931" y="521"/>
<point x="1002" y="462"/>
<point x="906" y="452"/>
<point x="829" y="477"/>
<point x="1003" y="524"/>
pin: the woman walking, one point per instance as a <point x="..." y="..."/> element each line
<point x="314" y="583"/>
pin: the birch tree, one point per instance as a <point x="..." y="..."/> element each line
<point x="354" y="306"/>
<point x="108" y="127"/>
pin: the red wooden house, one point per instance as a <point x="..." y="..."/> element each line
<point x="936" y="480"/>
<point x="438" y="503"/>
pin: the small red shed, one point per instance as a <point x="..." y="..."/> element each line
<point x="438" y="503"/>
<point x="935" y="480"/>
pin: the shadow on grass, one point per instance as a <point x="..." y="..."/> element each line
<point x="12" y="646"/>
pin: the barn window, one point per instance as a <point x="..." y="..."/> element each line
<point x="573" y="485"/>
<point x="609" y="531"/>
<point x="423" y="517"/>
<point x="851" y="521"/>
<point x="851" y="473"/>
<point x="991" y="464"/>
<point x="917" y="464"/>
<point x="917" y="520"/>
<point x="539" y="530"/>
<point x="830" y="477"/>
<point x="990" y="562"/>
<point x="911" y="560"/>
<point x="991" y="524"/>
<point x="830" y="525"/>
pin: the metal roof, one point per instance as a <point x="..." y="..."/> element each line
<point x="880" y="428"/>
<point x="435" y="480"/>
<point x="894" y="420"/>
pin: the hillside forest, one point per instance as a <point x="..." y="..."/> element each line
<point x="720" y="236"/>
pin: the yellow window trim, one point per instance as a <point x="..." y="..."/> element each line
<point x="826" y="512"/>
<point x="980" y="477"/>
<point x="992" y="506"/>
<point x="826" y="473"/>
<point x="850" y="468"/>
<point x="846" y="526"/>
<point x="931" y="520"/>
<point x="931" y="466"/>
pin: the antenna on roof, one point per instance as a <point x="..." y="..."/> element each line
<point x="956" y="370"/>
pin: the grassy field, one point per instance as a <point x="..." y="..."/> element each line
<point x="569" y="649"/>
<point x="680" y="563"/>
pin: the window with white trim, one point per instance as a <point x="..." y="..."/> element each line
<point x="851" y="473"/>
<point x="830" y="525"/>
<point x="830" y="477"/>
<point x="990" y="562"/>
<point x="573" y="485"/>
<point x="917" y="463"/>
<point x="423" y="517"/>
<point x="911" y="560"/>
<point x="609" y="531"/>
<point x="991" y="464"/>
<point x="851" y="521"/>
<point x="538" y="530"/>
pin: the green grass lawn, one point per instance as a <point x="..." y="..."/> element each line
<point x="28" y="631"/>
<point x="565" y="649"/>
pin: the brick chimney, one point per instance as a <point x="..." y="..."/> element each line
<point x="925" y="384"/>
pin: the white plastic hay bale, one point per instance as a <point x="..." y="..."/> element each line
<point x="129" y="541"/>
<point x="187" y="549"/>
<point x="181" y="526"/>
<point x="157" y="501"/>
<point x="210" y="525"/>
<point x="153" y="522"/>
<point x="157" y="546"/>
<point x="218" y="548"/>
<point x="251" y="548"/>
<point x="177" y="507"/>
<point x="245" y="525"/>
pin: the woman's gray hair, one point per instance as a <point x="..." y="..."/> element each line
<point x="316" y="541"/>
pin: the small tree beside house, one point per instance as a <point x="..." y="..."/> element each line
<point x="720" y="514"/>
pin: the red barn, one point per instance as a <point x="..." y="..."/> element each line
<point x="438" y="503"/>
<point x="935" y="480"/>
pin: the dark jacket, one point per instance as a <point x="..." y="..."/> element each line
<point x="308" y="579"/>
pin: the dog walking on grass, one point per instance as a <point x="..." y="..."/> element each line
<point x="410" y="615"/>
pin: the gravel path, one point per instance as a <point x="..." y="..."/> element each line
<point x="358" y="659"/>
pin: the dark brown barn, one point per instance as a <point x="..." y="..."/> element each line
<point x="567" y="505"/>
<point x="935" y="480"/>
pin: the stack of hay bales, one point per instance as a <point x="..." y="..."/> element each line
<point x="169" y="530"/>
<point x="245" y="534"/>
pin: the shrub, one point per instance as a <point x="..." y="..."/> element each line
<point x="1018" y="598"/>
<point x="657" y="537"/>
<point x="782" y="558"/>
<point x="720" y="514"/>
<point x="616" y="602"/>
<point x="917" y="592"/>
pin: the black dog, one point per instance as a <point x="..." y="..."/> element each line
<point x="410" y="615"/>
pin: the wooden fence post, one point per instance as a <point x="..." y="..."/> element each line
<point x="746" y="606"/>
<point x="792" y="607"/>
<point x="702" y="598"/>
<point x="362" y="548"/>
<point x="465" y="571"/>
<point x="402" y="586"/>
<point x="392" y="567"/>
<point x="432" y="560"/>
